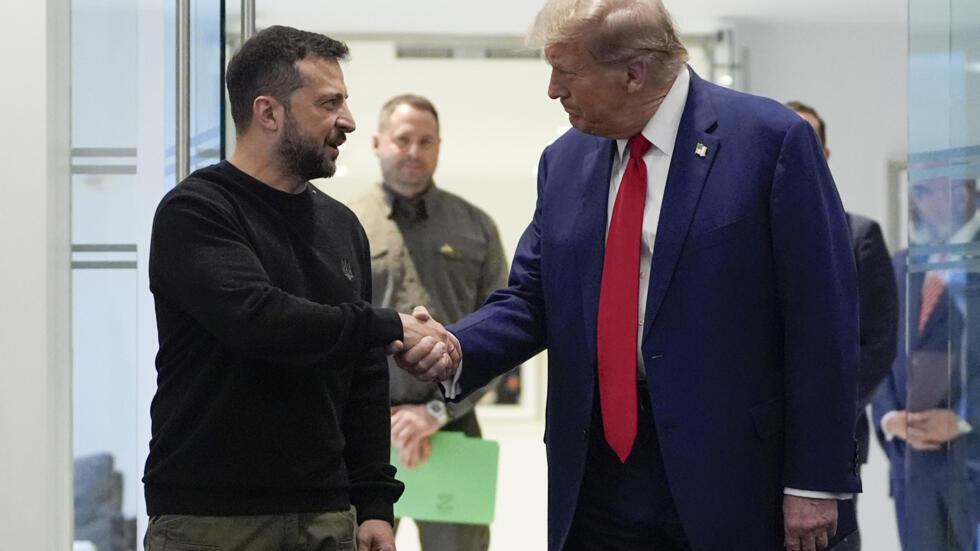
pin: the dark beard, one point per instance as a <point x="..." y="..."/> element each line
<point x="301" y="157"/>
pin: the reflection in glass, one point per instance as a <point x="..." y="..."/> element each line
<point x="929" y="407"/>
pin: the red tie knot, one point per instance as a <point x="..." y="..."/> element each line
<point x="638" y="146"/>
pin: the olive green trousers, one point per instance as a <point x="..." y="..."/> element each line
<point x="329" y="531"/>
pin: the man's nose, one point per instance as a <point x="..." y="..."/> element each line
<point x="345" y="121"/>
<point x="555" y="89"/>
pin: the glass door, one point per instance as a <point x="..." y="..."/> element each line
<point x="123" y="161"/>
<point x="936" y="463"/>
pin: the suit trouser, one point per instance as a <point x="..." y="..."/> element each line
<point x="936" y="514"/>
<point x="326" y="531"/>
<point x="441" y="536"/>
<point x="626" y="506"/>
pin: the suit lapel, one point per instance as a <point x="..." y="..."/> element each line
<point x="591" y="225"/>
<point x="685" y="181"/>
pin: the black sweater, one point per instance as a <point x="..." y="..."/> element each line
<point x="272" y="386"/>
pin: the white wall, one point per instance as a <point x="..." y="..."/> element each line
<point x="855" y="76"/>
<point x="35" y="430"/>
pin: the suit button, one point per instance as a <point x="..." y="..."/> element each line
<point x="585" y="434"/>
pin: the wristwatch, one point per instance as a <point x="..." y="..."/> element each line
<point x="437" y="409"/>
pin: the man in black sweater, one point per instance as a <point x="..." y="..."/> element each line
<point x="271" y="416"/>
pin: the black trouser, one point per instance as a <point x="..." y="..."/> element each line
<point x="626" y="506"/>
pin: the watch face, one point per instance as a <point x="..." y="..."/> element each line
<point x="436" y="409"/>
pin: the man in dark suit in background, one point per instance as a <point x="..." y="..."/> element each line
<point x="878" y="295"/>
<point x="926" y="411"/>
<point x="689" y="270"/>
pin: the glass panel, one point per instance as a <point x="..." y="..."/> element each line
<point x="936" y="464"/>
<point x="104" y="277"/>
<point x="122" y="163"/>
<point x="207" y="82"/>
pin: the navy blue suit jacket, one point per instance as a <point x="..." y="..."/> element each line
<point x="751" y="336"/>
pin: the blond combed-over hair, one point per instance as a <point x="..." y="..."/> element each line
<point x="614" y="32"/>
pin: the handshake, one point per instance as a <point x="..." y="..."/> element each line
<point x="428" y="351"/>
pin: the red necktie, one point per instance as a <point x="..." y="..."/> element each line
<point x="618" y="305"/>
<point x="932" y="288"/>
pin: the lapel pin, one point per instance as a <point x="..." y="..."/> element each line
<point x="701" y="150"/>
<point x="447" y="250"/>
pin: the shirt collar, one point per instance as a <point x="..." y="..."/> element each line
<point x="408" y="208"/>
<point x="661" y="129"/>
<point x="965" y="234"/>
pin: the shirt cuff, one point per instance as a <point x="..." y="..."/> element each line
<point x="884" y="424"/>
<point x="816" y="495"/>
<point x="964" y="426"/>
<point x="450" y="388"/>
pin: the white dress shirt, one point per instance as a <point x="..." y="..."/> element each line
<point x="661" y="132"/>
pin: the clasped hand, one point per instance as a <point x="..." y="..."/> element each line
<point x="428" y="351"/>
<point x="927" y="430"/>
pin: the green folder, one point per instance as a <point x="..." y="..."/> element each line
<point x="458" y="484"/>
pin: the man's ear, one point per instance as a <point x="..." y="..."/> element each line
<point x="637" y="73"/>
<point x="375" y="142"/>
<point x="268" y="113"/>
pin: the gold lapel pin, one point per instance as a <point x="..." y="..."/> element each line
<point x="701" y="150"/>
<point x="447" y="250"/>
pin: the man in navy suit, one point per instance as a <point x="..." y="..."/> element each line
<point x="926" y="410"/>
<point x="689" y="271"/>
<point x="878" y="299"/>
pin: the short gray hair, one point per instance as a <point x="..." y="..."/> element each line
<point x="614" y="32"/>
